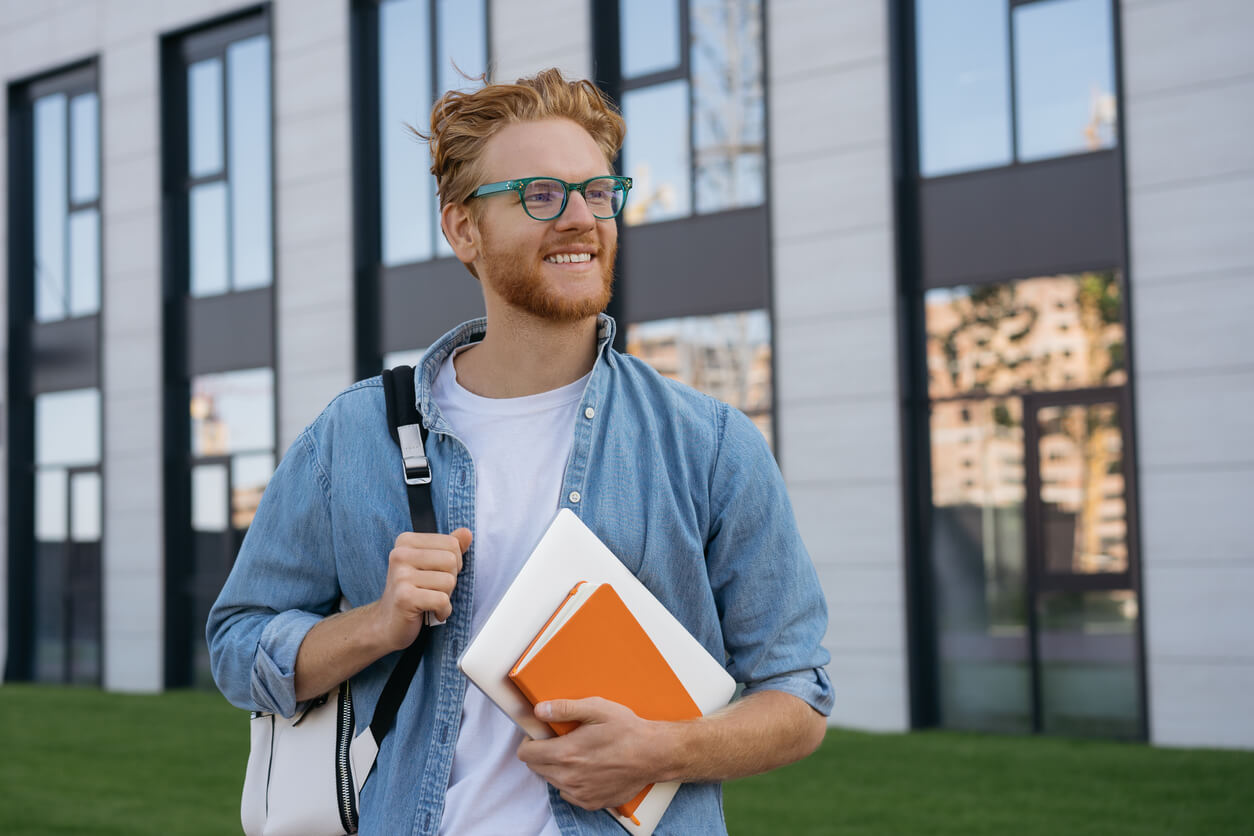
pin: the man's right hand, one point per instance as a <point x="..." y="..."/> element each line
<point x="422" y="573"/>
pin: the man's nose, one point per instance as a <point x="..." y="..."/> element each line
<point x="577" y="214"/>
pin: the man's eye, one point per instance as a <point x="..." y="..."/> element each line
<point x="541" y="197"/>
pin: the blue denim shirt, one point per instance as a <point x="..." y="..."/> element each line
<point x="683" y="488"/>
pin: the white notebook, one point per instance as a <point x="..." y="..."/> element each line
<point x="568" y="553"/>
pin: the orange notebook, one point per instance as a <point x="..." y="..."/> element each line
<point x="592" y="646"/>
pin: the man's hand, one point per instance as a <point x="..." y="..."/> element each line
<point x="422" y="573"/>
<point x="603" y="763"/>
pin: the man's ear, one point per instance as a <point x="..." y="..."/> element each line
<point x="461" y="231"/>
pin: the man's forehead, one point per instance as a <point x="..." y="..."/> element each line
<point x="556" y="147"/>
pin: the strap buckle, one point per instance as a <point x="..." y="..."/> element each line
<point x="413" y="456"/>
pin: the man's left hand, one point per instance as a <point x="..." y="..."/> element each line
<point x="605" y="762"/>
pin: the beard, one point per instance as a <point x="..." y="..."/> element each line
<point x="525" y="287"/>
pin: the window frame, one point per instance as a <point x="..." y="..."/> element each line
<point x="45" y="358"/>
<point x="222" y="332"/>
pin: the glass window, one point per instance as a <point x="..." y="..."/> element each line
<point x="51" y="504"/>
<point x="1054" y="332"/>
<point x="85" y="148"/>
<point x="209" y="497"/>
<point x="979" y="565"/>
<point x="728" y="106"/>
<point x="208" y="256"/>
<point x="1089" y="673"/>
<point x="1064" y="78"/>
<point x="67" y="428"/>
<point x="963" y="85"/>
<point x="248" y="72"/>
<point x="1084" y="526"/>
<point x="232" y="412"/>
<point x="249" y="475"/>
<point x="655" y="153"/>
<point x="727" y="356"/>
<point x="406" y="187"/>
<point x="650" y="36"/>
<point x="84" y="262"/>
<point x="417" y="64"/>
<point x="51" y="205"/>
<point x="204" y="117"/>
<point x="85" y="507"/>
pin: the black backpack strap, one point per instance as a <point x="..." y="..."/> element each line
<point x="411" y="436"/>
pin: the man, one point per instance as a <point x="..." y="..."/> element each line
<point x="528" y="412"/>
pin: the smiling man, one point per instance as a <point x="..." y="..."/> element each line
<point x="529" y="410"/>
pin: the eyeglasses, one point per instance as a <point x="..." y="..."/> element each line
<point x="544" y="198"/>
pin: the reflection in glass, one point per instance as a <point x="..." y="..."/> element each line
<point x="84" y="262"/>
<point x="51" y="504"/>
<point x="650" y="36"/>
<point x="727" y="104"/>
<point x="248" y="80"/>
<point x="85" y="507"/>
<point x="727" y="356"/>
<point x="1055" y="332"/>
<point x="249" y="476"/>
<point x="407" y="191"/>
<point x="1083" y="512"/>
<point x="50" y="208"/>
<point x="232" y="412"/>
<point x="209" y="497"/>
<point x="655" y="153"/>
<point x="964" y="85"/>
<point x="67" y="428"/>
<point x="1090" y="684"/>
<point x="85" y="148"/>
<point x="1064" y="78"/>
<point x="208" y="239"/>
<point x="204" y="117"/>
<point x="978" y="564"/>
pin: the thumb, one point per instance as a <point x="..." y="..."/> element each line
<point x="464" y="537"/>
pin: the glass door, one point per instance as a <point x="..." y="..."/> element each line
<point x="1084" y="615"/>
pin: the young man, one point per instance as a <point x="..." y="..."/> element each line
<point x="529" y="411"/>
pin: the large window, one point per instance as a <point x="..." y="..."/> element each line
<point x="54" y="422"/>
<point x="219" y="321"/>
<point x="693" y="295"/>
<point x="692" y="95"/>
<point x="1034" y="585"/>
<point x="1002" y="81"/>
<point x="408" y="53"/>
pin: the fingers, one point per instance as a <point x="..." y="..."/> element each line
<point x="588" y="710"/>
<point x="438" y="552"/>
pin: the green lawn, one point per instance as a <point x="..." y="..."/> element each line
<point x="83" y="762"/>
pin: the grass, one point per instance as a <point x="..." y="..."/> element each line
<point x="84" y="762"/>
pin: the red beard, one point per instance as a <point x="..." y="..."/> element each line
<point x="526" y="287"/>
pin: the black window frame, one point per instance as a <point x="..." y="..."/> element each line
<point x="231" y="331"/>
<point x="43" y="358"/>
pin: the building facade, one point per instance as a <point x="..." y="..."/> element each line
<point x="978" y="270"/>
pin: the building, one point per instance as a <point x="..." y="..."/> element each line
<point x="979" y="270"/>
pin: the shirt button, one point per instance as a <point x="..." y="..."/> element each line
<point x="574" y="497"/>
<point x="589" y="412"/>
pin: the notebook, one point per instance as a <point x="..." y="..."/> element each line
<point x="569" y="552"/>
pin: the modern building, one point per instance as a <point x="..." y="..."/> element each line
<point x="980" y="270"/>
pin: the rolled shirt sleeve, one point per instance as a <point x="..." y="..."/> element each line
<point x="284" y="581"/>
<point x="772" y="609"/>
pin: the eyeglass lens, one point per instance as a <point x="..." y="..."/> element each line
<point x="543" y="198"/>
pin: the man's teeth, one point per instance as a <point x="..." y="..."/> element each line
<point x="569" y="258"/>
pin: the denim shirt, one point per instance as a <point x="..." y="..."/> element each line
<point x="681" y="487"/>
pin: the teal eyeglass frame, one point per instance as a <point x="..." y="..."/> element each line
<point x="520" y="188"/>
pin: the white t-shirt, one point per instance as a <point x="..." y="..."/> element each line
<point x="519" y="447"/>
